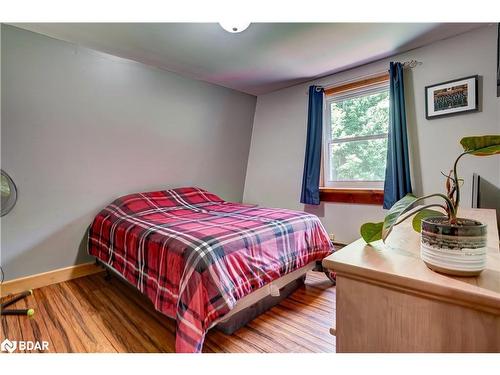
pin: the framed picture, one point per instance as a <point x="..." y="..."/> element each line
<point x="451" y="97"/>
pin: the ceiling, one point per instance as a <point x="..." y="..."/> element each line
<point x="261" y="59"/>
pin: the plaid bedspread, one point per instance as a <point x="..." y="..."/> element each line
<point x="195" y="255"/>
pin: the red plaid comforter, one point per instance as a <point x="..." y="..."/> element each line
<point x="194" y="255"/>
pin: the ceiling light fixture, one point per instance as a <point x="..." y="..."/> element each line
<point x="234" y="27"/>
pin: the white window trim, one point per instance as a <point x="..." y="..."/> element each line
<point x="328" y="141"/>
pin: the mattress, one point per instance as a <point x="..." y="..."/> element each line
<point x="261" y="300"/>
<point x="273" y="289"/>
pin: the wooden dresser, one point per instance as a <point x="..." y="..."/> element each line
<point x="389" y="301"/>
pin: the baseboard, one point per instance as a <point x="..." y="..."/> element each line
<point x="47" y="278"/>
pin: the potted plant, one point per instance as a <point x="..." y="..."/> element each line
<point x="449" y="244"/>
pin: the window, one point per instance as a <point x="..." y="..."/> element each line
<point x="356" y="124"/>
<point x="355" y="135"/>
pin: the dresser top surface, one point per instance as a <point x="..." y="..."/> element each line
<point x="398" y="263"/>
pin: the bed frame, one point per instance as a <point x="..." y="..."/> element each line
<point x="254" y="304"/>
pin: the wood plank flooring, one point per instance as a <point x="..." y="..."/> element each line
<point x="90" y="314"/>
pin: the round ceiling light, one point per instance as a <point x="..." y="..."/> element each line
<point x="234" y="27"/>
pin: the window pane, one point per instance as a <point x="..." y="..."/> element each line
<point x="362" y="115"/>
<point x="358" y="160"/>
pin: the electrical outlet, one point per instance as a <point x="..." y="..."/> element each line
<point x="332" y="236"/>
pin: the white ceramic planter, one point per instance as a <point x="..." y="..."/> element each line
<point x="458" y="249"/>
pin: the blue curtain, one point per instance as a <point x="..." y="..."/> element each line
<point x="397" y="174"/>
<point x="312" y="162"/>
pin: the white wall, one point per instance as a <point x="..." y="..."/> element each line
<point x="81" y="128"/>
<point x="274" y="172"/>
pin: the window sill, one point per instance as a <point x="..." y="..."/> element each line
<point x="355" y="196"/>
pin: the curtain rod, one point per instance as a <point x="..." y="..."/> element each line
<point x="410" y="64"/>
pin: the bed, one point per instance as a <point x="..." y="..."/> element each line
<point x="202" y="260"/>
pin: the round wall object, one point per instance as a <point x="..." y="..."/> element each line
<point x="8" y="193"/>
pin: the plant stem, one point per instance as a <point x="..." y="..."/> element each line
<point x="457" y="187"/>
<point x="449" y="210"/>
<point x="449" y="203"/>
<point x="420" y="209"/>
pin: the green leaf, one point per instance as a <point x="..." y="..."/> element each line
<point x="398" y="209"/>
<point x="485" y="145"/>
<point x="371" y="231"/>
<point x="395" y="212"/>
<point x="487" y="151"/>
<point x="424" y="214"/>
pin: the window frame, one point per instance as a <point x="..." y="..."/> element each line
<point x="335" y="94"/>
<point x="359" y="193"/>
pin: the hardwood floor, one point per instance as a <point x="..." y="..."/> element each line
<point x="90" y="314"/>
